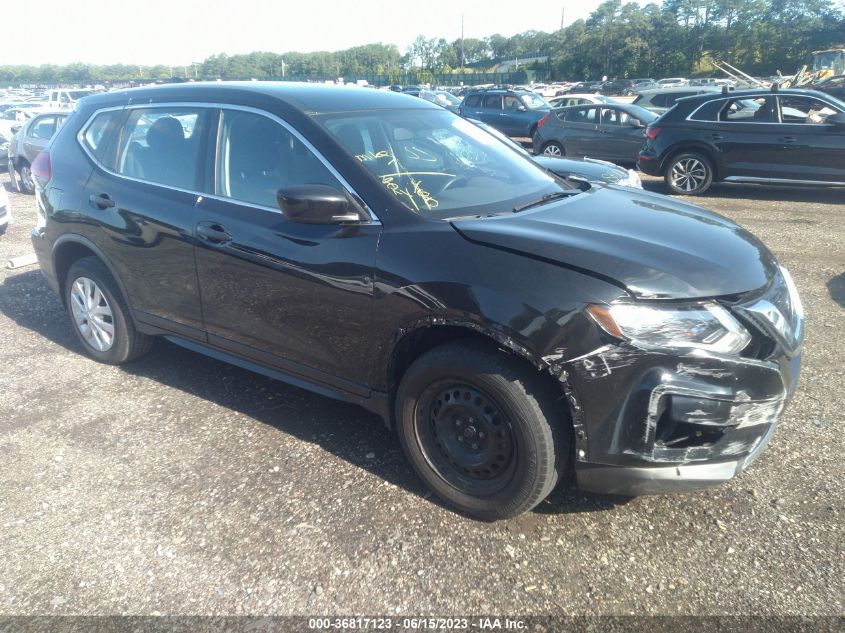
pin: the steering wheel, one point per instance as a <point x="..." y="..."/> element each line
<point x="454" y="182"/>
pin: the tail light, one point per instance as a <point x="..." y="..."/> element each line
<point x="542" y="121"/>
<point x="41" y="167"/>
<point x="652" y="133"/>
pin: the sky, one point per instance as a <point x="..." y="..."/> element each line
<point x="179" y="32"/>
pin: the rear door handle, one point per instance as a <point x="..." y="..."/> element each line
<point x="788" y="139"/>
<point x="213" y="232"/>
<point x="716" y="137"/>
<point x="101" y="201"/>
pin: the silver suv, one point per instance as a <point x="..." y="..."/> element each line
<point x="28" y="142"/>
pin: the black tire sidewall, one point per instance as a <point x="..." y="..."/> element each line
<point x="91" y="268"/>
<point x="22" y="187"/>
<point x="667" y="176"/>
<point x="536" y="439"/>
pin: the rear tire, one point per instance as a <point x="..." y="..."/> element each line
<point x="99" y="315"/>
<point x="25" y="182"/>
<point x="482" y="430"/>
<point x="553" y="149"/>
<point x="13" y="176"/>
<point x="688" y="174"/>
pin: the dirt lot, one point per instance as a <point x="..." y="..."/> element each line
<point x="182" y="485"/>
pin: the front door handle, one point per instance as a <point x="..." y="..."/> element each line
<point x="788" y="139"/>
<point x="716" y="137"/>
<point x="213" y="232"/>
<point x="101" y="201"/>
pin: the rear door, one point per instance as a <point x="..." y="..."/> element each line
<point x="580" y="135"/>
<point x="748" y="138"/>
<point x="145" y="196"/>
<point x="491" y="110"/>
<point x="812" y="149"/>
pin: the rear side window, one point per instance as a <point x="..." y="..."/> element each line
<point x="162" y="146"/>
<point x="259" y="156"/>
<point x="492" y="102"/>
<point x="473" y="101"/>
<point x="100" y="133"/>
<point x="581" y="115"/>
<point x="43" y="128"/>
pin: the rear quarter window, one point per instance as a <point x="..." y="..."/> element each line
<point x="99" y="134"/>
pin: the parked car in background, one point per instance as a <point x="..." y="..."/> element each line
<point x="587" y="170"/>
<point x="614" y="132"/>
<point x="5" y="210"/>
<point x="584" y="87"/>
<point x="442" y="98"/>
<point x="618" y="87"/>
<point x="13" y="120"/>
<point x="660" y="100"/>
<point x="29" y="141"/>
<point x="672" y="82"/>
<point x="514" y="112"/>
<point x="66" y="97"/>
<point x="508" y="326"/>
<point x="788" y="136"/>
<point x="579" y="99"/>
<point x="834" y="86"/>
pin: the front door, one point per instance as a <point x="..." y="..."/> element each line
<point x="619" y="139"/>
<point x="812" y="148"/>
<point x="293" y="296"/>
<point x="747" y="136"/>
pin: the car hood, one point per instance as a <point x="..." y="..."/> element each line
<point x="587" y="167"/>
<point x="653" y="246"/>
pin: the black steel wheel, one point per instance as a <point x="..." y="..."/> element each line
<point x="484" y="430"/>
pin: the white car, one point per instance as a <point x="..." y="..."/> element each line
<point x="673" y="82"/>
<point x="5" y="210"/>
<point x="579" y="99"/>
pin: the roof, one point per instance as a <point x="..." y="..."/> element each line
<point x="311" y="98"/>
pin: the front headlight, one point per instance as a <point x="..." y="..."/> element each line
<point x="707" y="326"/>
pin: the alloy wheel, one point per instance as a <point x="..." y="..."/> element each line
<point x="689" y="174"/>
<point x="27" y="183"/>
<point x="92" y="314"/>
<point x="552" y="150"/>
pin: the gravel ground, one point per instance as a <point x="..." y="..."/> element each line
<point x="180" y="485"/>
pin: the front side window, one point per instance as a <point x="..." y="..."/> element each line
<point x="473" y="101"/>
<point x="512" y="103"/>
<point x="534" y="102"/>
<point x="803" y="110"/>
<point x="439" y="165"/>
<point x="585" y="116"/>
<point x="162" y="146"/>
<point x="258" y="156"/>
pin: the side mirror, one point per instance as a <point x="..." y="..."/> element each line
<point x="836" y="120"/>
<point x="521" y="108"/>
<point x="635" y="123"/>
<point x="16" y="128"/>
<point x="318" y="204"/>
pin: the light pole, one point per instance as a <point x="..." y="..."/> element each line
<point x="196" y="65"/>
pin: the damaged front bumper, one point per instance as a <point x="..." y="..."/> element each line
<point x="687" y="422"/>
<point x="651" y="421"/>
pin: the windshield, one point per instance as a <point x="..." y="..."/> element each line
<point x="437" y="164"/>
<point x="534" y="102"/>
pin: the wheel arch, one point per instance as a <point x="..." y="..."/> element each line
<point x="685" y="146"/>
<point x="70" y="248"/>
<point x="413" y="342"/>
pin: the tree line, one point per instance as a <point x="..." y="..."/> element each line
<point x="677" y="37"/>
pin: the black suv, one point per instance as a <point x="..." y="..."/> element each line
<point x="760" y="136"/>
<point x="375" y="247"/>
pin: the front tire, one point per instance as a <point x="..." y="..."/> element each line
<point x="482" y="430"/>
<point x="553" y="149"/>
<point x="13" y="176"/>
<point x="688" y="174"/>
<point x="100" y="316"/>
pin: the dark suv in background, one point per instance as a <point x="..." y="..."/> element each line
<point x="513" y="112"/>
<point x="759" y="136"/>
<point x="374" y="247"/>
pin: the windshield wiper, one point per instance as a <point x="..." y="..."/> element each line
<point x="547" y="198"/>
